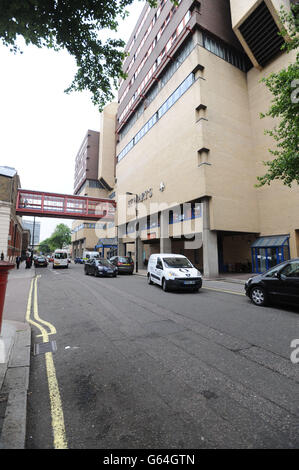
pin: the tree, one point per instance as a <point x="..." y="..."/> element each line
<point x="60" y="237"/>
<point x="73" y="25"/>
<point x="45" y="246"/>
<point x="284" y="87"/>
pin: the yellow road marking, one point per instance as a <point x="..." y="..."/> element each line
<point x="58" y="426"/>
<point x="36" y="316"/>
<point x="224" y="290"/>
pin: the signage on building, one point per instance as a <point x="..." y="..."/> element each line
<point x="141" y="197"/>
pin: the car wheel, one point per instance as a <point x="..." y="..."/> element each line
<point x="85" y="271"/>
<point x="196" y="289"/>
<point x="164" y="285"/>
<point x="258" y="296"/>
<point x="149" y="280"/>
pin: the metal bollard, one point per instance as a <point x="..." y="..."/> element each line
<point x="4" y="268"/>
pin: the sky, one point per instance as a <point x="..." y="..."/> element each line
<point x="41" y="127"/>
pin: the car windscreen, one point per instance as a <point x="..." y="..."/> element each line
<point x="125" y="259"/>
<point x="177" y="263"/>
<point x="60" y="256"/>
<point x="103" y="262"/>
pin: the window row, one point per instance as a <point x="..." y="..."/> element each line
<point x="225" y="52"/>
<point x="168" y="72"/>
<point x="176" y="215"/>
<point x="161" y="111"/>
<point x="98" y="225"/>
<point x="151" y="47"/>
<point x="158" y="61"/>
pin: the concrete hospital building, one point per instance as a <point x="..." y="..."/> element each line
<point x="189" y="143"/>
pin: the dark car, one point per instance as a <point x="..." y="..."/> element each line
<point x="100" y="267"/>
<point x="125" y="264"/>
<point x="40" y="261"/>
<point x="78" y="261"/>
<point x="278" y="284"/>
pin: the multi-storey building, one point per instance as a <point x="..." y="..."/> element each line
<point x="95" y="177"/>
<point x="34" y="228"/>
<point x="190" y="137"/>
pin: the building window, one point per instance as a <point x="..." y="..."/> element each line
<point x="226" y="53"/>
<point x="184" y="86"/>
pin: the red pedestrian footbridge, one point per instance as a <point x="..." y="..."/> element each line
<point x="42" y="204"/>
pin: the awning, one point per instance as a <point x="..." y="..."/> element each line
<point x="106" y="242"/>
<point x="271" y="241"/>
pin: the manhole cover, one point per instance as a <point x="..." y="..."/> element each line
<point x="42" y="348"/>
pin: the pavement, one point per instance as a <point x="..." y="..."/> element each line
<point x="15" y="345"/>
<point x="15" y="348"/>
<point x="234" y="278"/>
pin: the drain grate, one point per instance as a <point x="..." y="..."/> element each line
<point x="42" y="348"/>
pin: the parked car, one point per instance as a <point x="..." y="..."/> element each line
<point x="124" y="264"/>
<point x="78" y="261"/>
<point x="278" y="284"/>
<point x="100" y="267"/>
<point x="172" y="271"/>
<point x="40" y="261"/>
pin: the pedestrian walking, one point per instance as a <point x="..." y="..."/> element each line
<point x="2" y="256"/>
<point x="28" y="262"/>
<point x="18" y="260"/>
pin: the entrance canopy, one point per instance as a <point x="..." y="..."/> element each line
<point x="271" y="241"/>
<point x="269" y="251"/>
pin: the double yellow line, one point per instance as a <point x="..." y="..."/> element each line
<point x="58" y="426"/>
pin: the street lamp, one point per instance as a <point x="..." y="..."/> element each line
<point x="136" y="232"/>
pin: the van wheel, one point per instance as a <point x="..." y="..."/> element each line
<point x="149" y="280"/>
<point x="164" y="285"/>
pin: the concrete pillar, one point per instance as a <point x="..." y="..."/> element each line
<point x="121" y="247"/>
<point x="140" y="253"/>
<point x="165" y="241"/>
<point x="210" y="247"/>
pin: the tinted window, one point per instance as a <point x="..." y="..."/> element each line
<point x="291" y="270"/>
<point x="103" y="262"/>
<point x="272" y="272"/>
<point x="60" y="255"/>
<point x="177" y="263"/>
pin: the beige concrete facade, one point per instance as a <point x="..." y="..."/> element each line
<point x="208" y="148"/>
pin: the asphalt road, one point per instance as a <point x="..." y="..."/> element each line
<point x="136" y="367"/>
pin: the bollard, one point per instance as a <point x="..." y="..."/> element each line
<point x="4" y="268"/>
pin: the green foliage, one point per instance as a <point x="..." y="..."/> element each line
<point x="284" y="87"/>
<point x="75" y="26"/>
<point x="60" y="237"/>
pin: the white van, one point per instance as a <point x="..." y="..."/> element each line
<point x="173" y="272"/>
<point x="90" y="255"/>
<point x="60" y="259"/>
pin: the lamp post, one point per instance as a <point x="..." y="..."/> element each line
<point x="136" y="230"/>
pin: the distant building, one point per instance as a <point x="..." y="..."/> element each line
<point x="33" y="227"/>
<point x="10" y="224"/>
<point x="94" y="177"/>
